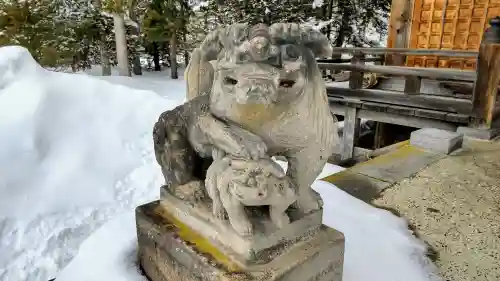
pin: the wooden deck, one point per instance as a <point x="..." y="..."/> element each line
<point x="415" y="96"/>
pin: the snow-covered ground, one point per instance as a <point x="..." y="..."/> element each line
<point x="76" y="158"/>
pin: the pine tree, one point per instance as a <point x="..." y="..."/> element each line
<point x="31" y="24"/>
<point x="164" y="23"/>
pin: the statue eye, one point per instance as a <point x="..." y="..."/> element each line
<point x="243" y="57"/>
<point x="291" y="52"/>
<point x="230" y="81"/>
<point x="286" y="83"/>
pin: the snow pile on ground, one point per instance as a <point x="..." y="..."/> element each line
<point x="379" y="246"/>
<point x="76" y="152"/>
<point x="156" y="81"/>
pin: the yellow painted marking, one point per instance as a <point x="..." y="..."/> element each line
<point x="201" y="244"/>
<point x="334" y="177"/>
<point x="403" y="150"/>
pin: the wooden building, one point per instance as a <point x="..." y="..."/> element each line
<point x="439" y="24"/>
<point x="431" y="42"/>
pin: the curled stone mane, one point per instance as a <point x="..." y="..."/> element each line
<point x="199" y="73"/>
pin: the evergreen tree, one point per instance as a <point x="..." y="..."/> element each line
<point x="164" y="24"/>
<point x="81" y="33"/>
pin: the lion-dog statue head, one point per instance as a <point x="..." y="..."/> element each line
<point x="259" y="70"/>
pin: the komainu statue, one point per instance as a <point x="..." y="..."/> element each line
<point x="253" y="92"/>
<point x="228" y="211"/>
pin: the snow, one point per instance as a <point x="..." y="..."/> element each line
<point x="74" y="152"/>
<point x="317" y="3"/>
<point x="379" y="246"/>
<point x="76" y="158"/>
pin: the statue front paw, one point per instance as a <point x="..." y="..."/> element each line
<point x="254" y="150"/>
<point x="250" y="145"/>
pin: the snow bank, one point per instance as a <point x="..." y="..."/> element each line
<point x="74" y="152"/>
<point x="379" y="246"/>
<point x="110" y="253"/>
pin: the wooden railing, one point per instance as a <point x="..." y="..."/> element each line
<point x="482" y="104"/>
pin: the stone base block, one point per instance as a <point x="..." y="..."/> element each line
<point x="477" y="133"/>
<point x="267" y="241"/>
<point x="436" y="140"/>
<point x="171" y="251"/>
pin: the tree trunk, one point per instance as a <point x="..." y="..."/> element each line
<point x="105" y="65"/>
<point x="339" y="41"/>
<point x="329" y="14"/>
<point x="136" y="65"/>
<point x="136" y="62"/>
<point x="186" y="52"/>
<point x="186" y="58"/>
<point x="173" y="56"/>
<point x="156" y="57"/>
<point x="184" y="33"/>
<point x="121" y="45"/>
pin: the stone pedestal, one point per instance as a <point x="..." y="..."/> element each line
<point x="181" y="242"/>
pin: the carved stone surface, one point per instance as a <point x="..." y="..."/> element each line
<point x="267" y="98"/>
<point x="266" y="238"/>
<point x="233" y="184"/>
<point x="227" y="210"/>
<point x="170" y="251"/>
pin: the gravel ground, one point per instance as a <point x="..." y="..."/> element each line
<point x="454" y="205"/>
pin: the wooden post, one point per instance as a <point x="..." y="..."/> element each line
<point x="399" y="22"/>
<point x="488" y="74"/>
<point x="412" y="85"/>
<point x="356" y="79"/>
<point x="350" y="132"/>
<point x="379" y="135"/>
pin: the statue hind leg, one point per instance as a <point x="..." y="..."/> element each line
<point x="303" y="169"/>
<point x="172" y="151"/>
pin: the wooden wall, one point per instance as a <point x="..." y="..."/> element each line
<point x="440" y="24"/>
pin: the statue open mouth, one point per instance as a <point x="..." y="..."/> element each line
<point x="287" y="83"/>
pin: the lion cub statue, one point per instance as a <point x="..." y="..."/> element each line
<point x="233" y="184"/>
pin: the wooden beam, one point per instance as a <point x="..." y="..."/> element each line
<point x="423" y="72"/>
<point x="379" y="135"/>
<point x="409" y="121"/>
<point x="356" y="79"/>
<point x="399" y="29"/>
<point x="488" y="72"/>
<point x="412" y="85"/>
<point x="404" y="120"/>
<point x="408" y="52"/>
<point x="397" y="98"/>
<point x="350" y="132"/>
<point x="376" y="59"/>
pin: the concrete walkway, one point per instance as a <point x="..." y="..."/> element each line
<point x="452" y="202"/>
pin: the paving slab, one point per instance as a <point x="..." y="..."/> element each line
<point x="436" y="140"/>
<point x="397" y="165"/>
<point x="358" y="185"/>
<point x="478" y="133"/>
<point x="454" y="205"/>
